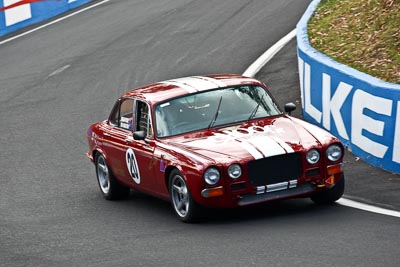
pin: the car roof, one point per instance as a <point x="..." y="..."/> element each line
<point x="161" y="91"/>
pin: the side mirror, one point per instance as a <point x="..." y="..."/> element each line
<point x="289" y="107"/>
<point x="139" y="135"/>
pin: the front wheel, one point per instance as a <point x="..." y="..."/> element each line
<point x="109" y="186"/>
<point x="331" y="195"/>
<point x="184" y="206"/>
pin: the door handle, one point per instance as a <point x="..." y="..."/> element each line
<point x="129" y="139"/>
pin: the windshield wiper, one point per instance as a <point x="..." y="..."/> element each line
<point x="254" y="112"/>
<point x="215" y="116"/>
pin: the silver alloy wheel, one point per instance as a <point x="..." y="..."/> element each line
<point x="103" y="175"/>
<point x="180" y="196"/>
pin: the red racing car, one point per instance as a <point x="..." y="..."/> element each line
<point x="212" y="141"/>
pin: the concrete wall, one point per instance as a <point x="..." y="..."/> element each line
<point x="17" y="14"/>
<point x="362" y="111"/>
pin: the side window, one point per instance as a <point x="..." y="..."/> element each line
<point x="126" y="114"/>
<point x="143" y="122"/>
<point x="115" y="114"/>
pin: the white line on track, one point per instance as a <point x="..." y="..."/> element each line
<point x="58" y="71"/>
<point x="52" y="22"/>
<point x="366" y="207"/>
<point x="254" y="68"/>
<point x="268" y="55"/>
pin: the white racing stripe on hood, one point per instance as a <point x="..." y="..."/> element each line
<point x="283" y="144"/>
<point x="268" y="146"/>
<point x="251" y="149"/>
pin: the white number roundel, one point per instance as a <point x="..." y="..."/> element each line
<point x="132" y="165"/>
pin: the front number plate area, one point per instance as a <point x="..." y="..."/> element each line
<point x="276" y="187"/>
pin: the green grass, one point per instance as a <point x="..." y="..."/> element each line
<point x="364" y="34"/>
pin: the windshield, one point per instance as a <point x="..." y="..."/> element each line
<point x="213" y="108"/>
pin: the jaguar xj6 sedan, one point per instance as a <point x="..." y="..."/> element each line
<point x="212" y="141"/>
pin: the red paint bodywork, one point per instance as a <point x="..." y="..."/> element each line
<point x="193" y="153"/>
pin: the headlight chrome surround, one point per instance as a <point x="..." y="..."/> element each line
<point x="313" y="156"/>
<point x="334" y="152"/>
<point x="212" y="176"/>
<point x="234" y="171"/>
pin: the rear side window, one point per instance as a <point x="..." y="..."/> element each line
<point x="122" y="114"/>
<point x="115" y="114"/>
<point x="126" y="114"/>
<point x="132" y="115"/>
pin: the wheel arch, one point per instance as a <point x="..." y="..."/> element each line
<point x="194" y="182"/>
<point x="98" y="151"/>
<point x="168" y="172"/>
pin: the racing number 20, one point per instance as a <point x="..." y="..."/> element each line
<point x="132" y="165"/>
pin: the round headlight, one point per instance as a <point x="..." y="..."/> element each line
<point x="312" y="156"/>
<point x="234" y="171"/>
<point x="211" y="176"/>
<point x="334" y="152"/>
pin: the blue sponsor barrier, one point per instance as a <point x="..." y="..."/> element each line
<point x="17" y="14"/>
<point x="361" y="110"/>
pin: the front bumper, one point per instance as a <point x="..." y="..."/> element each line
<point x="243" y="194"/>
<point x="303" y="189"/>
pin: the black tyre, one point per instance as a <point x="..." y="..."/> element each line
<point x="331" y="195"/>
<point x="109" y="186"/>
<point x="182" y="202"/>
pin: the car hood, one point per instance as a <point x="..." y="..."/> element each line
<point x="253" y="140"/>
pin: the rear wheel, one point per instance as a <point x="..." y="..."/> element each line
<point x="184" y="206"/>
<point x="109" y="186"/>
<point x="331" y="195"/>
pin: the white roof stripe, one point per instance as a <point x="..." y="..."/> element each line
<point x="165" y="94"/>
<point x="197" y="83"/>
<point x="218" y="83"/>
<point x="188" y="88"/>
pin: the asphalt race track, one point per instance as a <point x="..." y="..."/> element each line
<point x="57" y="81"/>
